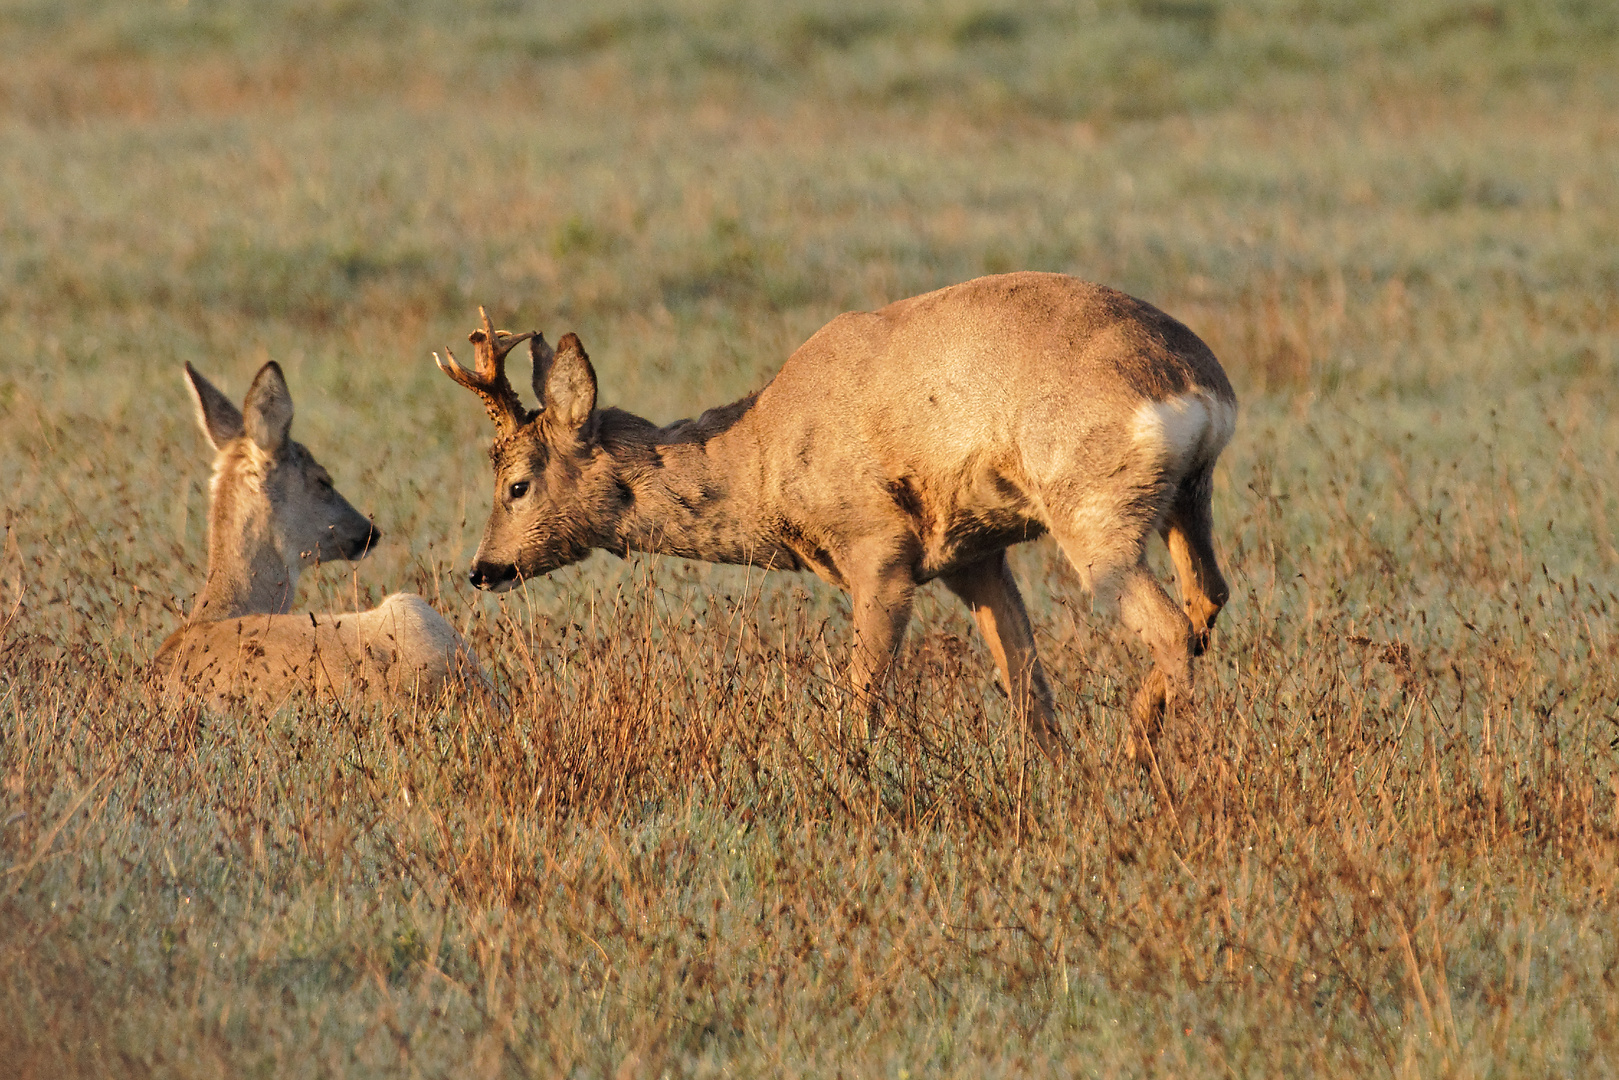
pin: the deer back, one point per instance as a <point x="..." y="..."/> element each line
<point x="399" y="650"/>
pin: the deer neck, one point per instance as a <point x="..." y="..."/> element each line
<point x="690" y="489"/>
<point x="248" y="574"/>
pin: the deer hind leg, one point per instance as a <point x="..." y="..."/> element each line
<point x="991" y="593"/>
<point x="1115" y="570"/>
<point x="1146" y="608"/>
<point x="1188" y="531"/>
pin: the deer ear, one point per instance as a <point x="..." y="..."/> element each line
<point x="541" y="354"/>
<point x="219" y="419"/>
<point x="570" y="384"/>
<point x="267" y="413"/>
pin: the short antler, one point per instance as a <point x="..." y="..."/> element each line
<point x="488" y="379"/>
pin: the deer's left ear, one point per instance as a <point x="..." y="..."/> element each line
<point x="570" y="385"/>
<point x="540" y="354"/>
<point x="267" y="413"/>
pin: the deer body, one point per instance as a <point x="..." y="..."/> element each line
<point x="899" y="446"/>
<point x="272" y="512"/>
<point x="399" y="649"/>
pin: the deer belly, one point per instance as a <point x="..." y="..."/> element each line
<point x="957" y="525"/>
<point x="970" y="537"/>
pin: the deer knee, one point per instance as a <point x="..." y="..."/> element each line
<point x="1145" y="608"/>
<point x="882" y="610"/>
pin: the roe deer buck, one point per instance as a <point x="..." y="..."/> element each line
<point x="894" y="447"/>
<point x="273" y="511"/>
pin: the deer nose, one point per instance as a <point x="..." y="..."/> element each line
<point x="491" y="575"/>
<point x="361" y="546"/>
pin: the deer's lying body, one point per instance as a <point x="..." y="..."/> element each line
<point x="899" y="446"/>
<point x="399" y="649"/>
<point x="272" y="511"/>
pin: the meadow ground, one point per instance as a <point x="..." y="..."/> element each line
<point x="1386" y="843"/>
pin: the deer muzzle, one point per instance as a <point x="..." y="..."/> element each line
<point x="493" y="576"/>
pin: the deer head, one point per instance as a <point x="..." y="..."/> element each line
<point x="557" y="493"/>
<point x="272" y="507"/>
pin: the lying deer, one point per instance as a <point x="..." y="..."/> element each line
<point x="273" y="511"/>
<point x="895" y="447"/>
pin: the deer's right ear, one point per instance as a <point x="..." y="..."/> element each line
<point x="219" y="419"/>
<point x="267" y="412"/>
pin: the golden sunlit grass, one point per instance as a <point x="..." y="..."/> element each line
<point x="1385" y="840"/>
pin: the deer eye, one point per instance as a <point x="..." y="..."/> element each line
<point x="517" y="490"/>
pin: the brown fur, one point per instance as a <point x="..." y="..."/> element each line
<point x="272" y="512"/>
<point x="902" y="445"/>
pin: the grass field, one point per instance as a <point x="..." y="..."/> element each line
<point x="1387" y="844"/>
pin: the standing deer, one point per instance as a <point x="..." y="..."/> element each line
<point x="272" y="511"/>
<point x="895" y="447"/>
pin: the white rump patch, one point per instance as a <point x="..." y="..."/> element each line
<point x="1188" y="431"/>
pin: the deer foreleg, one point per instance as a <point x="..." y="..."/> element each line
<point x="989" y="590"/>
<point x="882" y="609"/>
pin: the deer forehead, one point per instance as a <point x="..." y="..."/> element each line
<point x="245" y="467"/>
<point x="523" y="449"/>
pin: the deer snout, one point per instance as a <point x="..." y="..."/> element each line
<point x="361" y="546"/>
<point x="495" y="577"/>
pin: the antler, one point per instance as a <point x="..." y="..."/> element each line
<point x="488" y="379"/>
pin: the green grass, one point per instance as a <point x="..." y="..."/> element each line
<point x="1387" y="842"/>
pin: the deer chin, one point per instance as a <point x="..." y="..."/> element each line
<point x="330" y="550"/>
<point x="541" y="560"/>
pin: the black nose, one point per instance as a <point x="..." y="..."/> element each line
<point x="488" y="575"/>
<point x="359" y="548"/>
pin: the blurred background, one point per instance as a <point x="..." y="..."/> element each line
<point x="1401" y="212"/>
<point x="1396" y="223"/>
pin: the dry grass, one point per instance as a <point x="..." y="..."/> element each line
<point x="1386" y="841"/>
